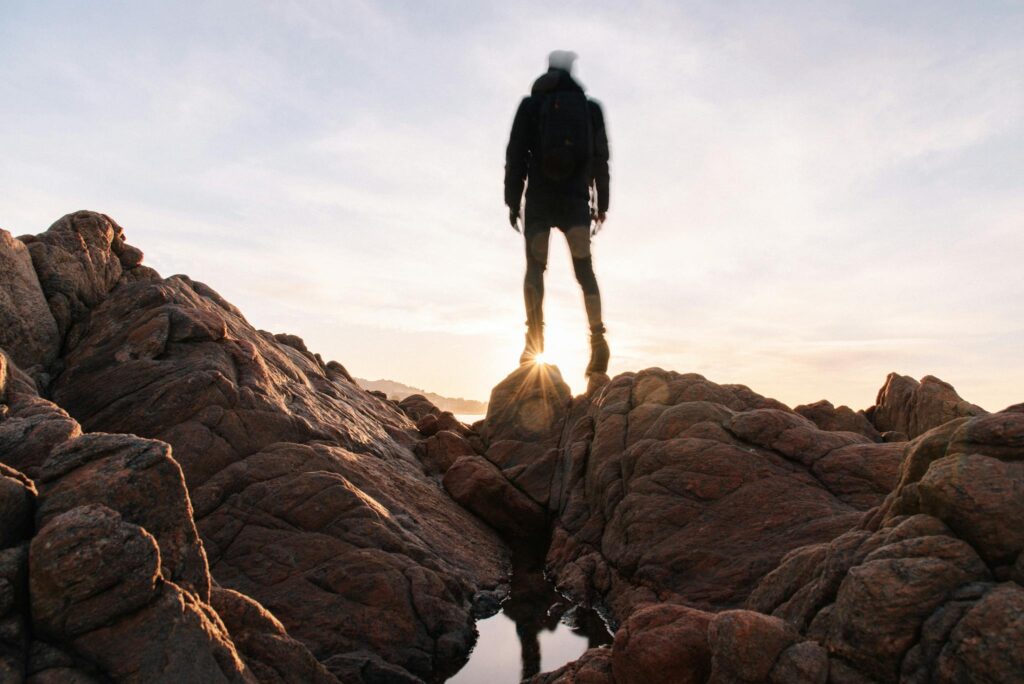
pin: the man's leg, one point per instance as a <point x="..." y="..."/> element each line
<point x="583" y="265"/>
<point x="533" y="289"/>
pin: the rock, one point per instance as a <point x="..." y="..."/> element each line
<point x="884" y="601"/>
<point x="88" y="568"/>
<point x="33" y="428"/>
<point x="17" y="501"/>
<point x="670" y="487"/>
<point x="663" y="644"/>
<point x="417" y="406"/>
<point x="860" y="474"/>
<point x="911" y="407"/>
<point x="521" y="432"/>
<point x="745" y="645"/>
<point x="978" y="497"/>
<point x="440" y="451"/>
<point x="527" y="406"/>
<point x="138" y="479"/>
<point x="479" y="486"/>
<point x="802" y="663"/>
<point x="17" y="506"/>
<point x="27" y="329"/>
<point x="842" y="419"/>
<point x="264" y="644"/>
<point x="306" y="493"/>
<point x="985" y="645"/>
<point x="95" y="582"/>
<point x="77" y="264"/>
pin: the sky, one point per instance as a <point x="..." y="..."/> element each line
<point x="805" y="196"/>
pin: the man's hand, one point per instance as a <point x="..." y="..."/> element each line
<point x="513" y="218"/>
<point x="598" y="223"/>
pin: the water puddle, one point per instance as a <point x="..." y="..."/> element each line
<point x="536" y="630"/>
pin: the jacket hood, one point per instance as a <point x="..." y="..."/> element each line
<point x="553" y="81"/>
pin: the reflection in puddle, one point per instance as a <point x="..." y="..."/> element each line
<point x="537" y="630"/>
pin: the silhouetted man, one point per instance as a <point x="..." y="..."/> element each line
<point x="559" y="149"/>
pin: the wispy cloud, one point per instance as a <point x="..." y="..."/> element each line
<point x="805" y="195"/>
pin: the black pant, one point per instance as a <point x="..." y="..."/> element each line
<point x="537" y="236"/>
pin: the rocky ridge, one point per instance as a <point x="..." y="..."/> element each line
<point x="186" y="498"/>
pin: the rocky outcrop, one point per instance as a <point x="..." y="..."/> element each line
<point x="186" y="498"/>
<point x="907" y="406"/>
<point x="838" y="419"/>
<point x="890" y="600"/>
<point x="734" y="540"/>
<point x="668" y="487"/>
<point x="27" y="329"/>
<point x="306" y="494"/>
<point x="102" y="574"/>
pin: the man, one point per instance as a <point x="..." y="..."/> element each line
<point x="558" y="149"/>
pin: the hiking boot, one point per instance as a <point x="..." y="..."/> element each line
<point x="599" y="353"/>
<point x="534" y="346"/>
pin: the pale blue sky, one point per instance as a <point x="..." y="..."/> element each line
<point x="805" y="195"/>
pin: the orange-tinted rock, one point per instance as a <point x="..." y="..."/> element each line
<point x="95" y="582"/>
<point x="745" y="645"/>
<point x="838" y="419"/>
<point x="802" y="663"/>
<point x="663" y="644"/>
<point x="479" y="486"/>
<point x="906" y="405"/>
<point x="264" y="644"/>
<point x="28" y="331"/>
<point x="77" y="264"/>
<point x="306" y="493"/>
<point x="439" y="451"/>
<point x="978" y="496"/>
<point x="138" y="479"/>
<point x="697" y="500"/>
<point x="985" y="645"/>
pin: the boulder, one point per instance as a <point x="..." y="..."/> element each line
<point x="77" y="262"/>
<point x="670" y="486"/>
<point x="95" y="583"/>
<point x="911" y="407"/>
<point x="306" y="494"/>
<point x="28" y="330"/>
<point x="838" y="419"/>
<point x="264" y="644"/>
<point x="663" y="644"/>
<point x="479" y="486"/>
<point x="140" y="480"/>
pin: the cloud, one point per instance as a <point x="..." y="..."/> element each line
<point x="802" y="193"/>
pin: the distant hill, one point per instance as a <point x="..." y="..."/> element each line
<point x="396" y="390"/>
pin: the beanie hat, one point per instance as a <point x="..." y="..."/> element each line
<point x="562" y="59"/>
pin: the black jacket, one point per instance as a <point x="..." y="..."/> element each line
<point x="568" y="202"/>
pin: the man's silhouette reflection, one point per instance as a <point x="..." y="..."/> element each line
<point x="535" y="606"/>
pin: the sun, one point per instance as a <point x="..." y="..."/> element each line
<point x="539" y="358"/>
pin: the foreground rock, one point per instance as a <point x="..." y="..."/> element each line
<point x="667" y="487"/>
<point x="734" y="541"/>
<point x="201" y="501"/>
<point x="307" y="497"/>
<point x="305" y="492"/>
<point x="27" y="329"/>
<point x="115" y="587"/>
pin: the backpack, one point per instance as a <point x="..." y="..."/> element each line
<point x="566" y="143"/>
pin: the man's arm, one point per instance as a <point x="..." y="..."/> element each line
<point x="517" y="157"/>
<point x="599" y="163"/>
